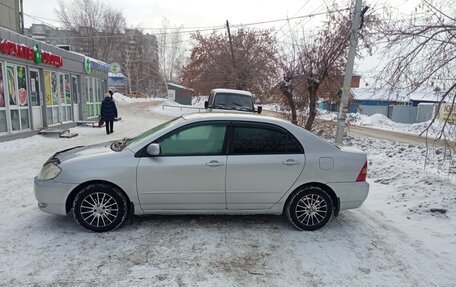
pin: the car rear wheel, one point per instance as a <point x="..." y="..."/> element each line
<point x="100" y="208"/>
<point x="309" y="209"/>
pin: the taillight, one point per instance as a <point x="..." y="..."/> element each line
<point x="363" y="173"/>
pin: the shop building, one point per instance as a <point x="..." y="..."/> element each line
<point x="45" y="86"/>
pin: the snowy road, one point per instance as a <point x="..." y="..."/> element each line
<point x="393" y="135"/>
<point x="381" y="244"/>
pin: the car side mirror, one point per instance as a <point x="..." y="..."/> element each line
<point x="259" y="109"/>
<point x="206" y="105"/>
<point x="153" y="149"/>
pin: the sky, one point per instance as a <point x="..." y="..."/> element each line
<point x="202" y="13"/>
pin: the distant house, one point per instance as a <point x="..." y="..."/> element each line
<point x="371" y="101"/>
<point x="425" y="96"/>
<point x="117" y="82"/>
<point x="180" y="94"/>
<point x="400" y="106"/>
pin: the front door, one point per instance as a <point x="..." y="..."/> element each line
<point x="75" y="96"/>
<point x="264" y="161"/>
<point x="189" y="173"/>
<point x="35" y="99"/>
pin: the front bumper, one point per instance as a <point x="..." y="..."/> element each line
<point x="51" y="195"/>
<point x="351" y="194"/>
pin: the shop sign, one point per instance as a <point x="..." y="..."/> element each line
<point x="447" y="113"/>
<point x="32" y="54"/>
<point x="115" y="68"/>
<point x="92" y="65"/>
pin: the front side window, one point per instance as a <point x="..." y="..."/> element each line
<point x="202" y="139"/>
<point x="264" y="140"/>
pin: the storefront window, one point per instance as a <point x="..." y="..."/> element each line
<point x="47" y="87"/>
<point x="22" y="86"/>
<point x="11" y="80"/>
<point x="16" y="79"/>
<point x="35" y="91"/>
<point x="2" y="88"/>
<point x="3" y="126"/>
<point x="93" y="97"/>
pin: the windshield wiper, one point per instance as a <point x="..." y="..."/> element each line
<point x="242" y="107"/>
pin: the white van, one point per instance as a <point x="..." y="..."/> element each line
<point x="229" y="99"/>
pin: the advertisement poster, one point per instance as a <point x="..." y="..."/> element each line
<point x="11" y="80"/>
<point x="67" y="89"/>
<point x="54" y="91"/>
<point x="47" y="87"/>
<point x="447" y="113"/>
<point x="22" y="85"/>
<point x="2" y="88"/>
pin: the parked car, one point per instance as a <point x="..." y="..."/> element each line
<point x="229" y="99"/>
<point x="205" y="163"/>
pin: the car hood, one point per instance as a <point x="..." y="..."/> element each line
<point x="83" y="151"/>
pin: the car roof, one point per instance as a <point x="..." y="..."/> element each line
<point x="232" y="91"/>
<point x="233" y="116"/>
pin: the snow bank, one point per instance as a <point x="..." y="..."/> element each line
<point x="118" y="97"/>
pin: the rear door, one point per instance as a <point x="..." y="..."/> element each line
<point x="263" y="163"/>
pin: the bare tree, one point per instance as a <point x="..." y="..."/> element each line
<point x="211" y="64"/>
<point x="95" y="28"/>
<point x="171" y="51"/>
<point x="422" y="49"/>
<point x="315" y="67"/>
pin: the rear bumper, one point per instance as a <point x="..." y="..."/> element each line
<point x="52" y="196"/>
<point x="351" y="194"/>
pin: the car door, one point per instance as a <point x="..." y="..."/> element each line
<point x="263" y="163"/>
<point x="189" y="173"/>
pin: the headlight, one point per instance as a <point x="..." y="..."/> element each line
<point x="49" y="171"/>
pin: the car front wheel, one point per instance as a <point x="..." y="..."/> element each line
<point x="100" y="208"/>
<point x="309" y="209"/>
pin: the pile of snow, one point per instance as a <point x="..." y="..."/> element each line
<point x="198" y="101"/>
<point x="172" y="108"/>
<point x="275" y="107"/>
<point x="118" y="97"/>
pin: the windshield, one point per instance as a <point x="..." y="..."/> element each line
<point x="233" y="101"/>
<point x="153" y="130"/>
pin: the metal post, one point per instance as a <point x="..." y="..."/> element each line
<point x="348" y="72"/>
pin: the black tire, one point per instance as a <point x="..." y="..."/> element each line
<point x="309" y="209"/>
<point x="100" y="208"/>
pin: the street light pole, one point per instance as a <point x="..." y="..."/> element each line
<point x="343" y="108"/>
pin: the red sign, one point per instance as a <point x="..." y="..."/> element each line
<point x="20" y="51"/>
<point x="51" y="59"/>
<point x="27" y="53"/>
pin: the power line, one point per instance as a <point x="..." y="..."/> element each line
<point x="214" y="28"/>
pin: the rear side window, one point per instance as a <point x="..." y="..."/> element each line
<point x="263" y="139"/>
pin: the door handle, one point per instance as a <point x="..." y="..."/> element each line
<point x="214" y="163"/>
<point x="290" y="162"/>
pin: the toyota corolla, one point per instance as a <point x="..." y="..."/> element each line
<point x="205" y="163"/>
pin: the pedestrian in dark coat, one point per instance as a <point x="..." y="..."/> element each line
<point x="108" y="112"/>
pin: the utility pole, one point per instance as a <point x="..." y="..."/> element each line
<point x="356" y="25"/>
<point x="232" y="54"/>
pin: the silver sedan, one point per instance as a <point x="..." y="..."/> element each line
<point x="205" y="163"/>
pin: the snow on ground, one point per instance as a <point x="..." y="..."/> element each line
<point x="380" y="121"/>
<point x="392" y="240"/>
<point x="118" y="97"/>
<point x="172" y="108"/>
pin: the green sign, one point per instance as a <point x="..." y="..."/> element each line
<point x="88" y="65"/>
<point x="115" y="68"/>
